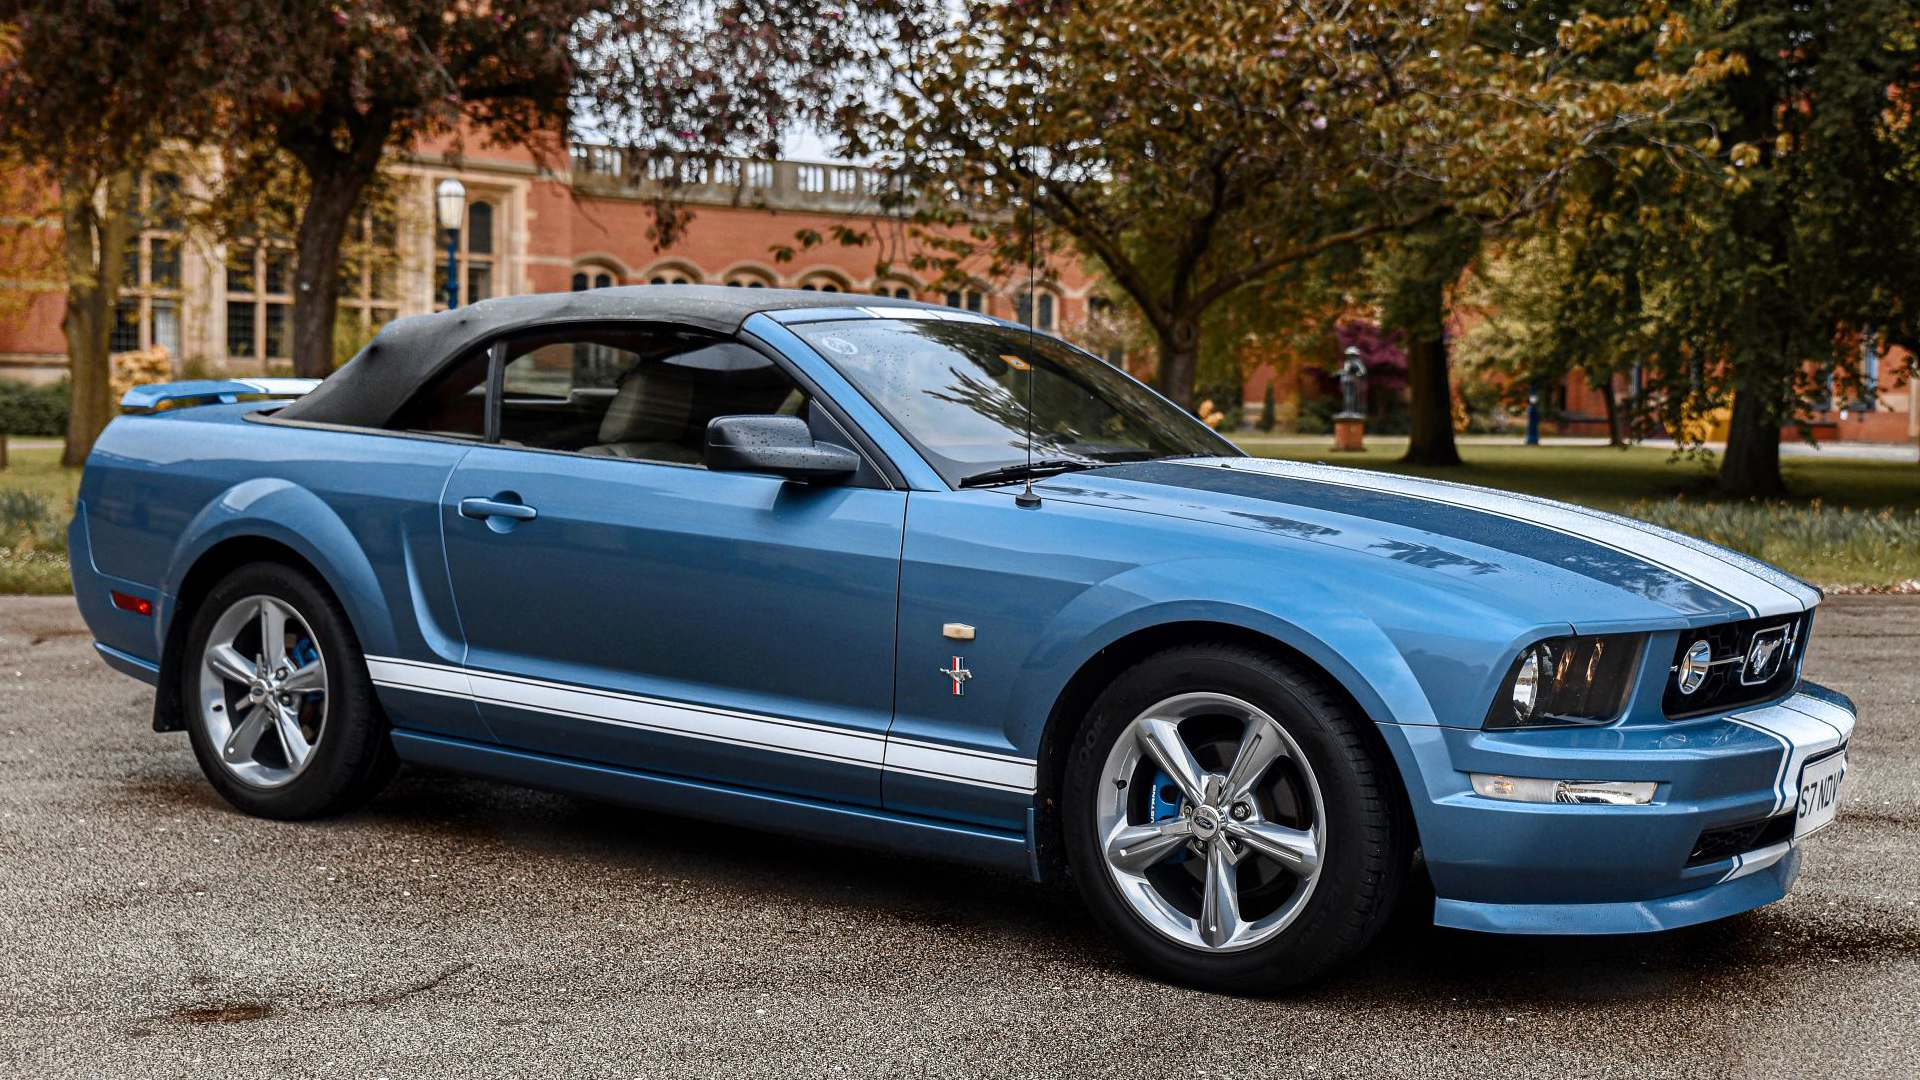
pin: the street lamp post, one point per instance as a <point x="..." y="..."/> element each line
<point x="1533" y="415"/>
<point x="451" y="204"/>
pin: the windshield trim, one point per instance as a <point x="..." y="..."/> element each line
<point x="1225" y="447"/>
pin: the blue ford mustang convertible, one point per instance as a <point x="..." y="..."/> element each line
<point x="790" y="560"/>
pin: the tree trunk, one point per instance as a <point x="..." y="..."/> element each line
<point x="336" y="178"/>
<point x="1430" y="393"/>
<point x="1751" y="467"/>
<point x="316" y="271"/>
<point x="1416" y="304"/>
<point x="1613" y="411"/>
<point x="94" y="244"/>
<point x="1179" y="368"/>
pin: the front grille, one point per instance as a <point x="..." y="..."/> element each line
<point x="1727" y="686"/>
<point x="1731" y="840"/>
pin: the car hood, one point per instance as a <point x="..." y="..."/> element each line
<point x="1458" y="531"/>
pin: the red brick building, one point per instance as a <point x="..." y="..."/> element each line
<point x="226" y="307"/>
<point x="1885" y="414"/>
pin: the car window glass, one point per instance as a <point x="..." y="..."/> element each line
<point x="960" y="391"/>
<point x="640" y="394"/>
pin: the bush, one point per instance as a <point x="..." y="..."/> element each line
<point x="33" y="409"/>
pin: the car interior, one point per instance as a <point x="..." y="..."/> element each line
<point x="642" y="394"/>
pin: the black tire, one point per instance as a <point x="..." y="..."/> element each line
<point x="1368" y="845"/>
<point x="353" y="757"/>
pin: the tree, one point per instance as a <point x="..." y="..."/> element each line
<point x="1195" y="149"/>
<point x="338" y="86"/>
<point x="1747" y="281"/>
<point x="341" y="86"/>
<point x="88" y="94"/>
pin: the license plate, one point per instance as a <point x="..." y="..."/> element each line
<point x="1819" y="794"/>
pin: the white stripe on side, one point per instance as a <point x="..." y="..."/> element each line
<point x="1758" y="589"/>
<point x="411" y="675"/>
<point x="944" y="762"/>
<point x="1003" y="772"/>
<point x="673" y="718"/>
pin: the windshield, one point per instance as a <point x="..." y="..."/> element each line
<point x="958" y="392"/>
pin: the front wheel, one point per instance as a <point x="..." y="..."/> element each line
<point x="281" y="711"/>
<point x="1228" y="822"/>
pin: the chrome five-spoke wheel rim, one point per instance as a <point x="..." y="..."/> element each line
<point x="263" y="691"/>
<point x="1211" y="822"/>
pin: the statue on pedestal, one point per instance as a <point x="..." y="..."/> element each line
<point x="1353" y="384"/>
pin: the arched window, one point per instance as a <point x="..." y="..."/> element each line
<point x="599" y="279"/>
<point x="1025" y="308"/>
<point x="824" y="281"/>
<point x="971" y="300"/>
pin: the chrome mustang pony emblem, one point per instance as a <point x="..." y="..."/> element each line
<point x="1764" y="654"/>
<point x="959" y="674"/>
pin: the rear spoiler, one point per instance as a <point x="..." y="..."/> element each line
<point x="159" y="397"/>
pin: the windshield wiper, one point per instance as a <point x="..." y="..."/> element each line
<point x="1043" y="467"/>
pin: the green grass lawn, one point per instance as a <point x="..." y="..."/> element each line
<point x="36" y="499"/>
<point x="1852" y="522"/>
<point x="1613" y="479"/>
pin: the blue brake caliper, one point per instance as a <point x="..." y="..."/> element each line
<point x="304" y="652"/>
<point x="1166" y="804"/>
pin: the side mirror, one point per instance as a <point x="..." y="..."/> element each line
<point x="781" y="445"/>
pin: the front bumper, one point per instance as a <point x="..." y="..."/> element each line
<point x="1545" y="868"/>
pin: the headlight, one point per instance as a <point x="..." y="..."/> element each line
<point x="1581" y="679"/>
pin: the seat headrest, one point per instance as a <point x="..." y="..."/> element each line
<point x="653" y="404"/>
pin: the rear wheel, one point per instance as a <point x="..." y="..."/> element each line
<point x="281" y="712"/>
<point x="1228" y="823"/>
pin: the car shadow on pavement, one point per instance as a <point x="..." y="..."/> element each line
<point x="999" y="913"/>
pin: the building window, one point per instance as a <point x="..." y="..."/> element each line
<point x="972" y="299"/>
<point x="474" y="248"/>
<point x="148" y="312"/>
<point x="369" y="272"/>
<point x="259" y="294"/>
<point x="669" y="277"/>
<point x="1024" y="309"/>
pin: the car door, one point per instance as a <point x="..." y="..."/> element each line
<point x="622" y="604"/>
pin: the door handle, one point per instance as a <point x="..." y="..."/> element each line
<point x="481" y="509"/>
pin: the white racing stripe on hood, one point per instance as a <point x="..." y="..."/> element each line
<point x="1748" y="583"/>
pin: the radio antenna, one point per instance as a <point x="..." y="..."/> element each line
<point x="1027" y="497"/>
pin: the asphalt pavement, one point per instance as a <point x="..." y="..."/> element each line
<point x="457" y="928"/>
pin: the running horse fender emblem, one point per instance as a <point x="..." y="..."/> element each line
<point x="959" y="674"/>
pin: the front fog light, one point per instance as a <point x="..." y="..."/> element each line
<point x="1532" y="790"/>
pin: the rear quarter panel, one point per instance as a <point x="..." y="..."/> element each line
<point x="162" y="491"/>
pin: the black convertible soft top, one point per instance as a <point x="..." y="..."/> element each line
<point x="407" y="352"/>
